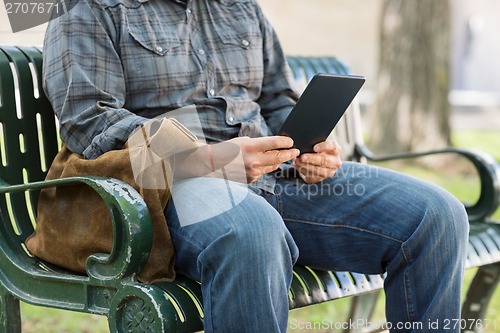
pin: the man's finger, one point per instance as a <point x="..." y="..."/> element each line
<point x="328" y="146"/>
<point x="320" y="160"/>
<point x="276" y="157"/>
<point x="273" y="142"/>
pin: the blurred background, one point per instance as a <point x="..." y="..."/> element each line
<point x="353" y="30"/>
<point x="433" y="79"/>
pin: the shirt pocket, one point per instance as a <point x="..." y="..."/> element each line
<point x="155" y="61"/>
<point x="153" y="44"/>
<point x="145" y="27"/>
<point x="238" y="28"/>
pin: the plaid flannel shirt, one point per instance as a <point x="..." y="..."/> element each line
<point x="109" y="65"/>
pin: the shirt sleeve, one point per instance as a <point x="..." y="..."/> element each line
<point x="84" y="81"/>
<point x="278" y="95"/>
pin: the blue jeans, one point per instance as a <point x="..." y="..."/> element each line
<point x="364" y="219"/>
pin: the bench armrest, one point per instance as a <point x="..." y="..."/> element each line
<point x="487" y="167"/>
<point x="132" y="228"/>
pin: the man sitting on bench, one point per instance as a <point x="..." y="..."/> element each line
<point x="111" y="65"/>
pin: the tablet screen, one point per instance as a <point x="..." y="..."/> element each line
<point x="319" y="108"/>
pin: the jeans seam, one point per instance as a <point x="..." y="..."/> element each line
<point x="279" y="205"/>
<point x="187" y="239"/>
<point x="406" y="251"/>
<point x="407" y="283"/>
<point x="208" y="299"/>
<point x="344" y="226"/>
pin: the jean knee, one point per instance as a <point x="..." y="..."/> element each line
<point x="263" y="234"/>
<point x="255" y="235"/>
<point x="450" y="218"/>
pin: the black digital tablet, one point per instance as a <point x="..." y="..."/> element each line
<point x="319" y="108"/>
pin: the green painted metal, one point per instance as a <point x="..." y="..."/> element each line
<point x="28" y="143"/>
<point x="479" y="295"/>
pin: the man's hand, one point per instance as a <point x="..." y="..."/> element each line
<point x="241" y="159"/>
<point x="265" y="154"/>
<point x="320" y="165"/>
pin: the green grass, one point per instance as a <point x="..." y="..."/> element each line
<point x="46" y="320"/>
<point x="462" y="183"/>
<point x="485" y="140"/>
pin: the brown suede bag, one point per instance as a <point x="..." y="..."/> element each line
<point x="73" y="222"/>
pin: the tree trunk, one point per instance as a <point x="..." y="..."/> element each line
<point x="411" y="110"/>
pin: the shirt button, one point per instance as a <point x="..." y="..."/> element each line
<point x="245" y="42"/>
<point x="201" y="51"/>
<point x="159" y="49"/>
<point x="231" y="119"/>
<point x="211" y="92"/>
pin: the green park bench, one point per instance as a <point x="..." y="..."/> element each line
<point x="29" y="142"/>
